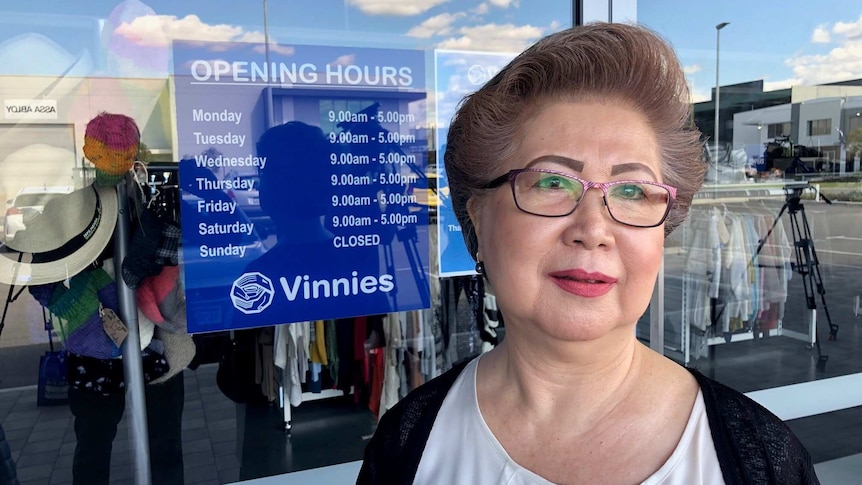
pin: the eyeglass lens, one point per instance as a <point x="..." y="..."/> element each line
<point x="551" y="194"/>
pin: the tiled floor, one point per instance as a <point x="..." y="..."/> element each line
<point x="42" y="439"/>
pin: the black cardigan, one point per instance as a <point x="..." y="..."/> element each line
<point x="753" y="445"/>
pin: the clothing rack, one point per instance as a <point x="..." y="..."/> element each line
<point x="399" y="354"/>
<point x="426" y="346"/>
<point x="719" y="195"/>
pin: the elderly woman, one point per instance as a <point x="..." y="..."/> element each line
<point x="571" y="396"/>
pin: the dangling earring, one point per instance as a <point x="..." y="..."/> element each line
<point x="480" y="266"/>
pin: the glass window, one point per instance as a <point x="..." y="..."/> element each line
<point x="819" y="127"/>
<point x="775" y="130"/>
<point x="196" y="78"/>
<point x="759" y="290"/>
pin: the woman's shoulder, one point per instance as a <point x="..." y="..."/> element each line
<point x="750" y="440"/>
<point x="734" y="405"/>
<point x="422" y="403"/>
<point x="394" y="451"/>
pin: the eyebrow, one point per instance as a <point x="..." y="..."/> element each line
<point x="578" y="166"/>
<point x="632" y="167"/>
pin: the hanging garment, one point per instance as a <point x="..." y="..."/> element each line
<point x="329" y="331"/>
<point x="394" y="347"/>
<point x="318" y="343"/>
<point x="264" y="369"/>
<point x="297" y="364"/>
<point x="377" y="362"/>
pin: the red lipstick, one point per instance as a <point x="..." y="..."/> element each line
<point x="583" y="283"/>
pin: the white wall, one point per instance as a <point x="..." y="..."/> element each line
<point x="819" y="109"/>
<point x="800" y="94"/>
<point x="745" y="131"/>
<point x="81" y="99"/>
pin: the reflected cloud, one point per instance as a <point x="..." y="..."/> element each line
<point x="697" y="95"/>
<point x="700" y="96"/>
<point x="160" y="30"/>
<point x="504" y="3"/>
<point x="841" y="63"/>
<point x="851" y="30"/>
<point x="436" y="25"/>
<point x="345" y="60"/>
<point x="821" y="35"/>
<point x="284" y="50"/>
<point x="395" y="7"/>
<point x="494" y="37"/>
<point x="692" y="69"/>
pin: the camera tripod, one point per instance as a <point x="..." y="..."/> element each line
<point x="806" y="262"/>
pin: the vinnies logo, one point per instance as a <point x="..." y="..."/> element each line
<point x="252" y="293"/>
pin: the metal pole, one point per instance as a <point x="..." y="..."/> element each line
<point x="136" y="404"/>
<point x="717" y="93"/>
<point x="842" y="140"/>
<point x="656" y="312"/>
<point x="270" y="116"/>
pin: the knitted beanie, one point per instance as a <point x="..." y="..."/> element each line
<point x="111" y="143"/>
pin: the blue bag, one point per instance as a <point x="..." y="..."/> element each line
<point x="53" y="388"/>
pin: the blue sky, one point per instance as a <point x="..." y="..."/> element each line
<point x="781" y="42"/>
<point x="784" y="43"/>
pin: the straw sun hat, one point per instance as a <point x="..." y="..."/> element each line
<point x="70" y="234"/>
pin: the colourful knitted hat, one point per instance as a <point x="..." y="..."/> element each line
<point x="111" y="143"/>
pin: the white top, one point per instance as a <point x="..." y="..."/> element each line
<point x="462" y="450"/>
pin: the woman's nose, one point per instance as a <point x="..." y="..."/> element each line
<point x="590" y="224"/>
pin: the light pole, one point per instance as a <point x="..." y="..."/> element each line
<point x="717" y="95"/>
<point x="270" y="116"/>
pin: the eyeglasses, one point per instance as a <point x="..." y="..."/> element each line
<point x="547" y="193"/>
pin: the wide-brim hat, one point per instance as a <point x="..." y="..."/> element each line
<point x="70" y="234"/>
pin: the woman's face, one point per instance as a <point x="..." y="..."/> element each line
<point x="580" y="276"/>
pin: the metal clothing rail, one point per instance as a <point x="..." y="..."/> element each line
<point x="716" y="193"/>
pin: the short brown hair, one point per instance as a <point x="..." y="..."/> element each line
<point x="627" y="62"/>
